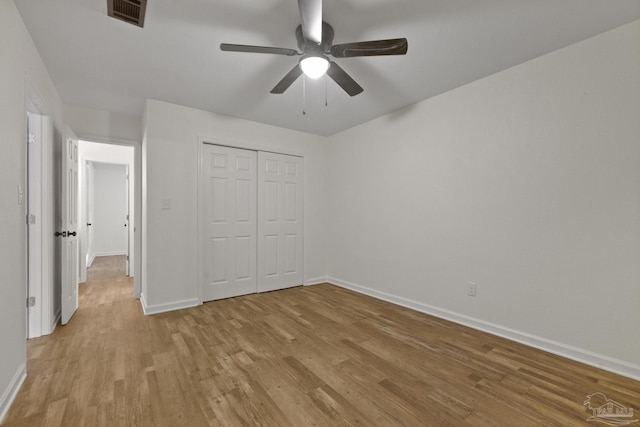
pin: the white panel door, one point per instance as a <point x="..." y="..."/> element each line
<point x="69" y="205"/>
<point x="229" y="214"/>
<point x="280" y="226"/>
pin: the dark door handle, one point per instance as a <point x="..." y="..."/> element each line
<point x="72" y="233"/>
<point x="63" y="234"/>
<point x="89" y="224"/>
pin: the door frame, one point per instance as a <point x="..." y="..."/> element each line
<point x="85" y="181"/>
<point x="129" y="196"/>
<point x="244" y="145"/>
<point x="135" y="202"/>
<point x="40" y="318"/>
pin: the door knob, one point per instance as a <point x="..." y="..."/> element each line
<point x="63" y="234"/>
<point x="72" y="233"/>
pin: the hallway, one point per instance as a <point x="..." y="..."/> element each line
<point x="107" y="267"/>
<point x="73" y="372"/>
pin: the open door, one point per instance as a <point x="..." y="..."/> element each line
<point x="69" y="228"/>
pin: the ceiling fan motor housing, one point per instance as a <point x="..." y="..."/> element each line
<point x="311" y="48"/>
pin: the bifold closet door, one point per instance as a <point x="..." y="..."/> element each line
<point x="230" y="212"/>
<point x="280" y="225"/>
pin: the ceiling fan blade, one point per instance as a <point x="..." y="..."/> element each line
<point x="287" y="80"/>
<point x="371" y="48"/>
<point x="343" y="79"/>
<point x="311" y="17"/>
<point x="257" y="49"/>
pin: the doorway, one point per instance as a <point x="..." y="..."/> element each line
<point x="106" y="201"/>
<point x="252" y="221"/>
<point x="107" y="212"/>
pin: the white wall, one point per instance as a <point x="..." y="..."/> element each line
<point x="170" y="170"/>
<point x="526" y="182"/>
<point x="110" y="236"/>
<point x="19" y="62"/>
<point x="99" y="125"/>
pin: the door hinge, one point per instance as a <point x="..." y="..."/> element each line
<point x="31" y="301"/>
<point x="32" y="138"/>
<point x="31" y="219"/>
<point x="127" y="257"/>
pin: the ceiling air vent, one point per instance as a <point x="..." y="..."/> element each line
<point x="131" y="11"/>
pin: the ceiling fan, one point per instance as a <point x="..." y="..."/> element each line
<point x="315" y="40"/>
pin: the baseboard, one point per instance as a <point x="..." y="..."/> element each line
<point x="56" y="319"/>
<point x="9" y="395"/>
<point x="316" y="281"/>
<point x="162" y="308"/>
<point x="587" y="357"/>
<point x="108" y="254"/>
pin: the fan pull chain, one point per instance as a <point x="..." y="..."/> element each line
<point x="326" y="97"/>
<point x="304" y="94"/>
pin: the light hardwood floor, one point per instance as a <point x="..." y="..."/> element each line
<point x="312" y="356"/>
<point x="107" y="267"/>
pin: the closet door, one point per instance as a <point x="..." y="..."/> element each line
<point x="229" y="193"/>
<point x="280" y="226"/>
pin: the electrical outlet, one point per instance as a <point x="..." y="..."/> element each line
<point x="471" y="289"/>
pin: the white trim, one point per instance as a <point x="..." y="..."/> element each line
<point x="40" y="315"/>
<point x="56" y="319"/>
<point x="110" y="140"/>
<point x="162" y="308"/>
<point x="247" y="145"/>
<point x="200" y="224"/>
<point x="107" y="254"/>
<point x="48" y="225"/>
<point x="34" y="231"/>
<point x="587" y="357"/>
<point x="12" y="390"/>
<point x="143" y="303"/>
<point x="316" y="281"/>
<point x="41" y="243"/>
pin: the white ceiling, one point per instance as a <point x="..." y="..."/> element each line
<point x="100" y="62"/>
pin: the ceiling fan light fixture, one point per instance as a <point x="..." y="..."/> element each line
<point x="314" y="66"/>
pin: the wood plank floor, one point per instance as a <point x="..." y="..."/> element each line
<point x="107" y="267"/>
<point x="308" y="356"/>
